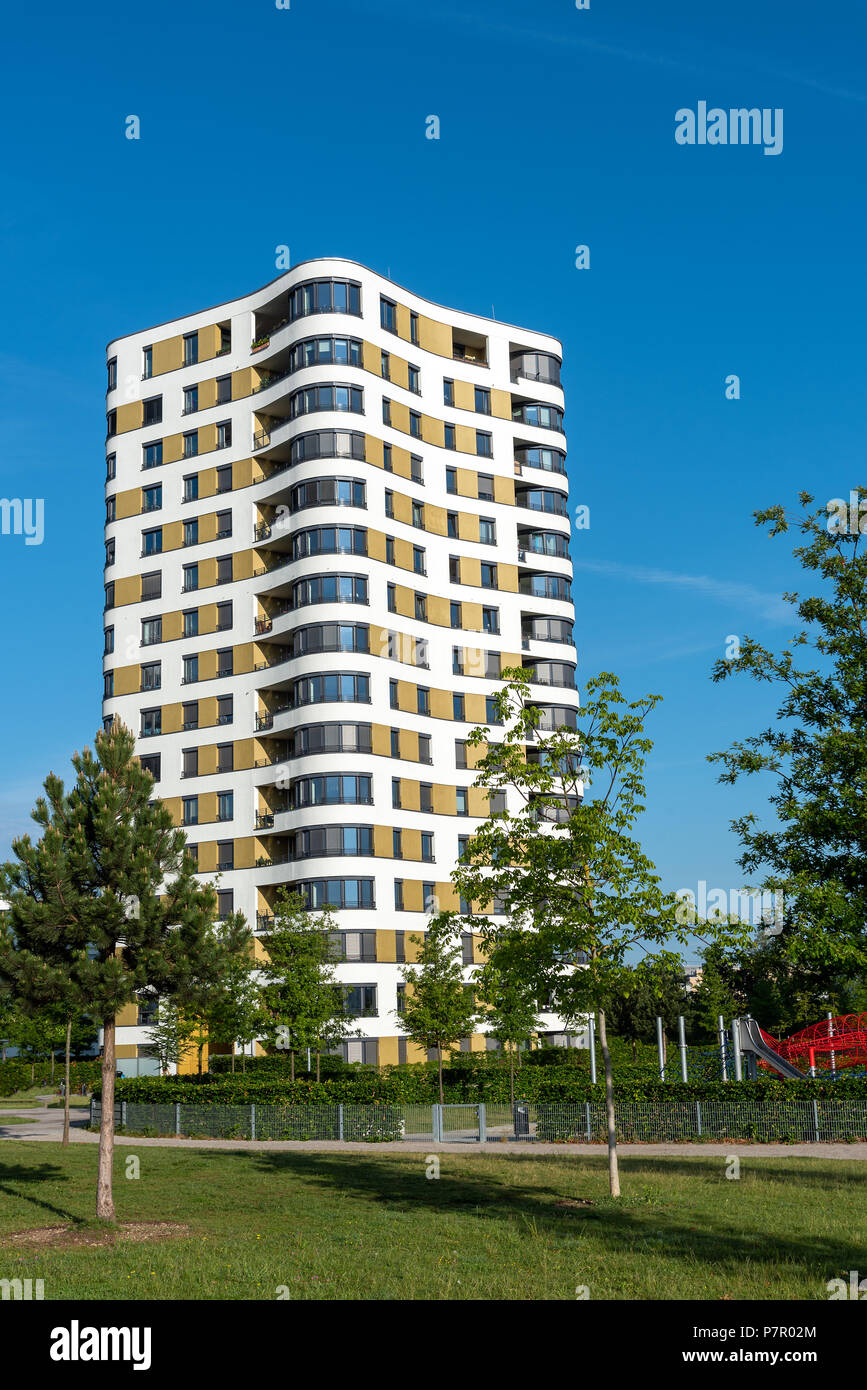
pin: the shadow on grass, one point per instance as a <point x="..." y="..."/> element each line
<point x="14" y="1177"/>
<point x="667" y="1228"/>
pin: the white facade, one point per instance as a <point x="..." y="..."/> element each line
<point x="263" y="722"/>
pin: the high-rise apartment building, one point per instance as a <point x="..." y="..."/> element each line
<point x="334" y="513"/>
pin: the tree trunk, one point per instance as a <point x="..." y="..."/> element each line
<point x="291" y="1066"/>
<point x="52" y="1066"/>
<point x="66" y="1088"/>
<point x="104" y="1198"/>
<point x="613" y="1173"/>
<point x="511" y="1047"/>
<point x="201" y="1048"/>
<point x="244" y="1062"/>
<point x="440" y="1070"/>
<point x="233" y="1059"/>
<point x="317" y="1066"/>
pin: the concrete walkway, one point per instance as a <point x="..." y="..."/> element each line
<point x="47" y="1125"/>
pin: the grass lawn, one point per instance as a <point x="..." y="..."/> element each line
<point x="371" y="1225"/>
<point x="12" y="1120"/>
<point x="21" y="1099"/>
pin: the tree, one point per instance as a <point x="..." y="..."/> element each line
<point x="302" y="1001"/>
<point x="170" y="1035"/>
<point x="640" y="994"/>
<point x="439" y="1008"/>
<point x="566" y="867"/>
<point x="232" y="1008"/>
<point x="105" y="905"/>
<point x="815" y="754"/>
<point x="511" y="1011"/>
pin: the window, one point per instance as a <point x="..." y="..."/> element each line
<point x="427" y="847"/>
<point x="487" y="530"/>
<point x="448" y="391"/>
<point x="224" y="616"/>
<point x="151" y="722"/>
<point x="420" y="610"/>
<point x="225" y="709"/>
<point x="398" y="895"/>
<point x="190" y="810"/>
<point x="224" y="569"/>
<point x="458" y="708"/>
<point x="386" y="411"/>
<point x="191" y="487"/>
<point x="110" y="423"/>
<point x="191" y="444"/>
<point x="112" y="374"/>
<point x="152" y="763"/>
<point x="110" y="510"/>
<point x="152" y="541"/>
<point x="224" y="478"/>
<point x="147" y="363"/>
<point x="324" y="297"/>
<point x="108" y="646"/>
<point x="392" y="694"/>
<point x="152" y="585"/>
<point x="225" y="805"/>
<point x="536" y="413"/>
<point x="191" y="670"/>
<point x="191" y="578"/>
<point x="387" y="465"/>
<point x="482" y="401"/>
<point x="492" y="666"/>
<point x="224" y="434"/>
<point x="190" y="762"/>
<point x="491" y="620"/>
<point x="425" y="797"/>
<point x="395" y="743"/>
<point x="224" y="525"/>
<point x="151" y="676"/>
<point x="395" y="793"/>
<point x="391" y="594"/>
<point x="424" y="747"/>
<point x="461" y="801"/>
<point x="455" y="616"/>
<point x="416" y="469"/>
<point x="454" y="569"/>
<point x="397" y="844"/>
<point x="225" y="757"/>
<point x="225" y="903"/>
<point x="109" y="553"/>
<point x="191" y="349"/>
<point x="492" y="714"/>
<point x="418" y="515"/>
<point x="457" y="661"/>
<point x="451" y="480"/>
<point x="484" y="444"/>
<point x="225" y="854"/>
<point x="385" y="365"/>
<point x="418" y="560"/>
<point x="191" y="400"/>
<point x="422" y="699"/>
<point x="332" y="790"/>
<point x="225" y="661"/>
<point x="224" y="390"/>
<point x="225" y="339"/>
<point x="413" y="327"/>
<point x="389" y="559"/>
<point x="489" y="576"/>
<point x="388" y="315"/>
<point x="415" y="424"/>
<point x="108" y="685"/>
<point x="486" y="487"/>
<point x="191" y="532"/>
<point x="429" y="897"/>
<point x="452" y="525"/>
<point x="110" y="467"/>
<point x="460" y="752"/>
<point x="329" y="540"/>
<point x="552" y="460"/>
<point x="449" y="441"/>
<point x="329" y="588"/>
<point x="413" y="376"/>
<point x="347" y="893"/>
<point x="152" y="411"/>
<point x="466" y="948"/>
<point x="190" y="714"/>
<point x="152" y="454"/>
<point x="151" y="631"/>
<point x="326" y="397"/>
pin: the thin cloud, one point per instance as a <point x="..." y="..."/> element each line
<point x="771" y="607"/>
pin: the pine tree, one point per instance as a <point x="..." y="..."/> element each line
<point x="105" y="905"/>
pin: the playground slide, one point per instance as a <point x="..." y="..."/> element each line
<point x="751" y="1040"/>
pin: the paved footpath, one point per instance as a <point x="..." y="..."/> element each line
<point x="47" y="1125"/>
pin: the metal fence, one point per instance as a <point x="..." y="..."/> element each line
<point x="796" y="1121"/>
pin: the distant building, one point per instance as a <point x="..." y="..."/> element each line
<point x="692" y="974"/>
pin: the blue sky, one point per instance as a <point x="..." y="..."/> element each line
<point x="261" y="127"/>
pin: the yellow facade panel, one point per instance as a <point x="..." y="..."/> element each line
<point x="168" y="355"/>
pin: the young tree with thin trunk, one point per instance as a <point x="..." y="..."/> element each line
<point x="302" y="1002"/>
<point x="106" y="904"/>
<point x="510" y="1009"/>
<point x="170" y="1035"/>
<point x="563" y="860"/>
<point x="439" y="1006"/>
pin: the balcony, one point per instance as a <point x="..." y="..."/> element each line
<point x="264" y="820"/>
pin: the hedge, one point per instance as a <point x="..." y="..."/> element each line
<point x="16" y="1074"/>
<point x="409" y="1085"/>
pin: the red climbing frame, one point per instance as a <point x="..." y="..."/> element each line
<point x="845" y="1037"/>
